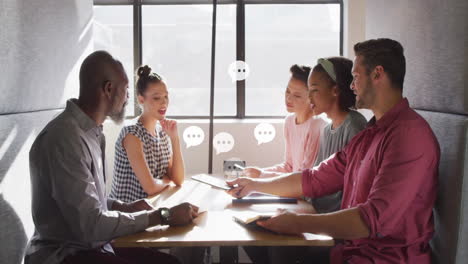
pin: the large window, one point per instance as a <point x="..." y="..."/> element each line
<point x="278" y="36"/>
<point x="113" y="32"/>
<point x="175" y="40"/>
<point x="177" y="44"/>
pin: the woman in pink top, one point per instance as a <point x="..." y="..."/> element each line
<point x="301" y="128"/>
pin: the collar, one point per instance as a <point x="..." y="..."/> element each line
<point x="83" y="120"/>
<point x="390" y="115"/>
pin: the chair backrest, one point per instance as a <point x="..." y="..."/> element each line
<point x="433" y="34"/>
<point x="450" y="242"/>
<point x="17" y="133"/>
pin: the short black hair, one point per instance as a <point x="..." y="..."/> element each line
<point x="387" y="53"/>
<point x="96" y="69"/>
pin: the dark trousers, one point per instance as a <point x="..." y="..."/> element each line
<point x="122" y="256"/>
<point x="291" y="254"/>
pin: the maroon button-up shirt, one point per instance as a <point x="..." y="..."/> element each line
<point x="389" y="172"/>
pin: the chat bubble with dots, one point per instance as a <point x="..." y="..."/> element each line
<point x="238" y="71"/>
<point x="193" y="136"/>
<point x="264" y="133"/>
<point x="223" y="142"/>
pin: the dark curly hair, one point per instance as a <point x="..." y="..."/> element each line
<point x="145" y="77"/>
<point x="342" y="67"/>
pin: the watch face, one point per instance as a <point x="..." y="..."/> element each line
<point x="165" y="213"/>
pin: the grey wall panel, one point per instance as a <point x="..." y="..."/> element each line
<point x="17" y="133"/>
<point x="451" y="237"/>
<point x="41" y="46"/>
<point x="434" y="35"/>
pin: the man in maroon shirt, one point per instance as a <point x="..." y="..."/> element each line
<point x="388" y="173"/>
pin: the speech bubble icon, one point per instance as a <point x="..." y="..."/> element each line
<point x="264" y="133"/>
<point x="238" y="71"/>
<point x="193" y="136"/>
<point x="223" y="142"/>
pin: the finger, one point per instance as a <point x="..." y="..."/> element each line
<point x="164" y="124"/>
<point x="264" y="224"/>
<point x="281" y="210"/>
<point x="194" y="214"/>
<point x="236" y="192"/>
<point x="233" y="191"/>
<point x="243" y="192"/>
<point x="194" y="208"/>
<point x="233" y="182"/>
<point x="269" y="224"/>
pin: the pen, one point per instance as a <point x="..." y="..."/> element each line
<point x="239" y="166"/>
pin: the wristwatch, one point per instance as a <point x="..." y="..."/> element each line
<point x="165" y="214"/>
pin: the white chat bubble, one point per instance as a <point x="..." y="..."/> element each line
<point x="264" y="133"/>
<point x="223" y="142"/>
<point x="238" y="71"/>
<point x="193" y="136"/>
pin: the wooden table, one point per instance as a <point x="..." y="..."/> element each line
<point x="215" y="226"/>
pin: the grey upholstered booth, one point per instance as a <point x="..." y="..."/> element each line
<point x="434" y="35"/>
<point x="17" y="132"/>
<point x="41" y="46"/>
<point x="451" y="239"/>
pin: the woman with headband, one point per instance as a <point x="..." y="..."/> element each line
<point x="330" y="93"/>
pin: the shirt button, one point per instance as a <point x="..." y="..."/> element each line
<point x="354" y="184"/>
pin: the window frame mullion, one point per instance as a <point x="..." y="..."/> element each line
<point x="240" y="56"/>
<point x="137" y="49"/>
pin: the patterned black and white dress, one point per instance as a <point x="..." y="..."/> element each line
<point x="158" y="152"/>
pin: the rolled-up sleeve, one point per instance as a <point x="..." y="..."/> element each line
<point x="74" y="190"/>
<point x="407" y="175"/>
<point x="326" y="178"/>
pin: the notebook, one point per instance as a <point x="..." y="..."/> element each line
<point x="251" y="218"/>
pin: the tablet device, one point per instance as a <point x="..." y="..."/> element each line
<point x="264" y="198"/>
<point x="210" y="180"/>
